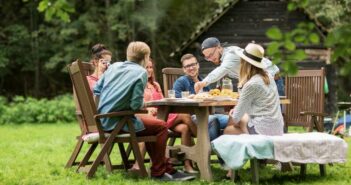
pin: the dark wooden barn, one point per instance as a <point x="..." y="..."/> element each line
<point x="242" y="21"/>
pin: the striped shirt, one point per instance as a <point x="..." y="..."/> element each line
<point x="261" y="102"/>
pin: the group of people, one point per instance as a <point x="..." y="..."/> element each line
<point x="127" y="85"/>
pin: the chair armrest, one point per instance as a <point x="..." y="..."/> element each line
<point x="312" y="113"/>
<point x="120" y="113"/>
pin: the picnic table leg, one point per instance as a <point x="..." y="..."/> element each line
<point x="254" y="171"/>
<point x="162" y="113"/>
<point x="201" y="152"/>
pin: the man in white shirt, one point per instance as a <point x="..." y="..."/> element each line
<point x="229" y="64"/>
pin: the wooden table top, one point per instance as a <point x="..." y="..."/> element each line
<point x="198" y="103"/>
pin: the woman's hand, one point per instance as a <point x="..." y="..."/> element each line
<point x="152" y="111"/>
<point x="231" y="112"/>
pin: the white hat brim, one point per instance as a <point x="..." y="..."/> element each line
<point x="253" y="62"/>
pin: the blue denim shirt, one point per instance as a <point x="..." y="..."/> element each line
<point x="121" y="87"/>
<point x="185" y="83"/>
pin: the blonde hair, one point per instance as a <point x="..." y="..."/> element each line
<point x="136" y="52"/>
<point x="247" y="71"/>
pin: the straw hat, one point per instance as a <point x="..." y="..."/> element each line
<point x="253" y="53"/>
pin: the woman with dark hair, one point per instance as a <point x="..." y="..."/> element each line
<point x="101" y="59"/>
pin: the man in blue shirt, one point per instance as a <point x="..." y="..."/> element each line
<point x="186" y="83"/>
<point x="121" y="87"/>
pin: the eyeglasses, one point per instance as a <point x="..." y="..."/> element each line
<point x="211" y="54"/>
<point x="190" y="65"/>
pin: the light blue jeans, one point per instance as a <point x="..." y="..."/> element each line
<point x="213" y="126"/>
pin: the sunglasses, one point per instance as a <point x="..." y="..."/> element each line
<point x="190" y="65"/>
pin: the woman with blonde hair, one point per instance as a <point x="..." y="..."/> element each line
<point x="258" y="109"/>
<point x="259" y="98"/>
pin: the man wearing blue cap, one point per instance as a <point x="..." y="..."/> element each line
<point x="229" y="64"/>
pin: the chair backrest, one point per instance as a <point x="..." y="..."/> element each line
<point x="170" y="75"/>
<point x="305" y="91"/>
<point x="84" y="95"/>
<point x="88" y="69"/>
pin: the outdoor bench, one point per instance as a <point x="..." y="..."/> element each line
<point x="301" y="148"/>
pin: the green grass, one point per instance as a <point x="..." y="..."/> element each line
<point x="36" y="154"/>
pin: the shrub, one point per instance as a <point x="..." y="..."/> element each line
<point x="31" y="110"/>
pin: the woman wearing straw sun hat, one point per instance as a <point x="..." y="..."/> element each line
<point x="258" y="99"/>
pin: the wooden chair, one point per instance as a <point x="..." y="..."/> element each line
<point x="306" y="93"/>
<point x="170" y="75"/>
<point x="88" y="69"/>
<point x="94" y="128"/>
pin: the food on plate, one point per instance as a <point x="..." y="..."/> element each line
<point x="203" y="95"/>
<point x="224" y="92"/>
<point x="214" y="92"/>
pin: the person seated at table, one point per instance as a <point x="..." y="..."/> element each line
<point x="186" y="83"/>
<point x="258" y="97"/>
<point x="122" y="88"/>
<point x="101" y="59"/>
<point x="258" y="109"/>
<point x="180" y="123"/>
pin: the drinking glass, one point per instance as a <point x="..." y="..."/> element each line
<point x="171" y="94"/>
<point x="185" y="94"/>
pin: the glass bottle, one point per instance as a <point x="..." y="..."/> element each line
<point x="227" y="86"/>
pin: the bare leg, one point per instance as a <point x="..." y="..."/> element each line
<point x="186" y="119"/>
<point x="239" y="128"/>
<point x="143" y="152"/>
<point x="236" y="129"/>
<point x="184" y="130"/>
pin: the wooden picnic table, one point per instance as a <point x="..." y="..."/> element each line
<point x="201" y="151"/>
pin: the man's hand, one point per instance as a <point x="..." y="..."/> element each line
<point x="198" y="86"/>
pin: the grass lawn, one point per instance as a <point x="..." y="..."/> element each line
<point x="36" y="154"/>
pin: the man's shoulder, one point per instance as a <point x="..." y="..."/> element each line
<point x="182" y="78"/>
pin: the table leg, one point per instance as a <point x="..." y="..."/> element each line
<point x="201" y="152"/>
<point x="162" y="113"/>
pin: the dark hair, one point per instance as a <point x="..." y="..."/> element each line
<point x="98" y="50"/>
<point x="186" y="57"/>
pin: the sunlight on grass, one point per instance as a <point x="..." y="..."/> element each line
<point x="37" y="154"/>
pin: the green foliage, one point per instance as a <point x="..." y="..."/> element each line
<point x="56" y="8"/>
<point x="30" y="110"/>
<point x="283" y="47"/>
<point x="334" y="17"/>
<point x="339" y="39"/>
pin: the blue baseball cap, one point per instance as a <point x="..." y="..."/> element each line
<point x="210" y="43"/>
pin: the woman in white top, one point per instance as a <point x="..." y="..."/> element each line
<point x="258" y="108"/>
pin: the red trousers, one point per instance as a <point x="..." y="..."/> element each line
<point x="156" y="150"/>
